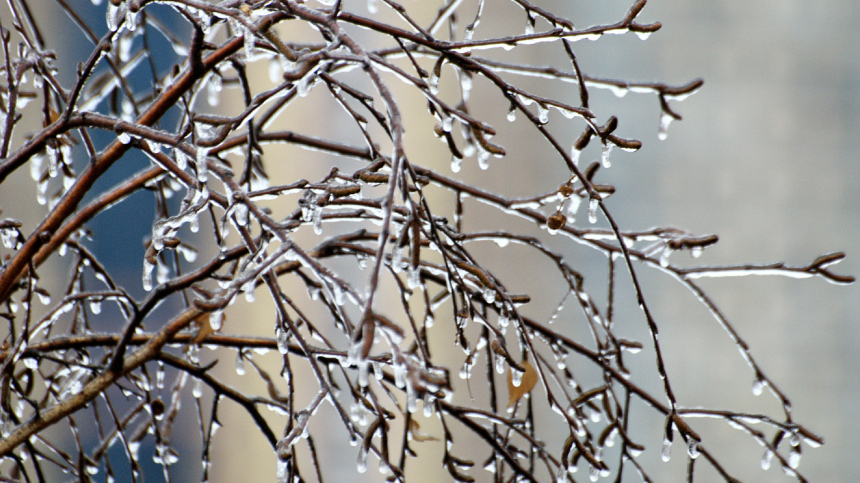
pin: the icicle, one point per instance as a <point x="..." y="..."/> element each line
<point x="433" y="82"/>
<point x="766" y="459"/>
<point x="147" y="275"/>
<point x="665" y="120"/>
<point x="397" y="258"/>
<point x="250" y="45"/>
<point x="500" y="364"/>
<point x="516" y="377"/>
<point x="399" y="374"/>
<point x="604" y="156"/>
<point x="202" y="166"/>
<point x="411" y="397"/>
<point x="362" y="373"/>
<point x="361" y="463"/>
<point x="593" y="204"/>
<point x="113" y="15"/>
<point x="213" y="90"/>
<point x="667" y="449"/>
<point x="240" y="210"/>
<point x="131" y="17"/>
<point x="512" y="113"/>
<point x="159" y="376"/>
<point x="543" y="113"/>
<point x="316" y="219"/>
<point x="574" y="155"/>
<point x="413" y="278"/>
<point x="283" y="346"/>
<point x="483" y="158"/>
<point x="274" y="70"/>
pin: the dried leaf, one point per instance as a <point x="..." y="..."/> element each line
<point x="204" y="329"/>
<point x="417" y="434"/>
<point x="528" y="382"/>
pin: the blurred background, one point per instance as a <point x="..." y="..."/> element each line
<point x="766" y="157"/>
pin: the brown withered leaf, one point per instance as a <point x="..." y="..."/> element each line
<point x="417" y="434"/>
<point x="528" y="382"/>
<point x="204" y="330"/>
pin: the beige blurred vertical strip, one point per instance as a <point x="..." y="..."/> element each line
<point x="243" y="454"/>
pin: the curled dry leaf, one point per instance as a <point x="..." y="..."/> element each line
<point x="204" y="329"/>
<point x="527" y="383"/>
<point x="417" y="434"/>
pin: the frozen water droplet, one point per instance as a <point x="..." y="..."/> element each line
<point x="604" y="155"/>
<point x="413" y="278"/>
<point x="693" y="448"/>
<point x="36" y="167"/>
<point x="96" y="306"/>
<point x="432" y="82"/>
<point x="250" y="44"/>
<point x="316" y="219"/>
<point x="793" y="458"/>
<point x="593" y="204"/>
<point x="766" y="459"/>
<point x="181" y="158"/>
<point x="283" y="346"/>
<point x="240" y="210"/>
<point x="397" y="258"/>
<point x="447" y="124"/>
<point x="758" y="387"/>
<point x="664" y="258"/>
<point x="248" y="290"/>
<point x="456" y="163"/>
<point x="574" y="155"/>
<point x="216" y="319"/>
<point x="361" y="464"/>
<point x="530" y="29"/>
<point x="213" y="90"/>
<point x="197" y="392"/>
<point x="667" y="450"/>
<point x="274" y="70"/>
<point x="665" y="120"/>
<point x="516" y="377"/>
<point x="159" y="376"/>
<point x="643" y="35"/>
<point x="147" y="275"/>
<point x="202" y="166"/>
<point x="363" y="379"/>
<point x="399" y="375"/>
<point x="483" y="159"/>
<point x="124" y="137"/>
<point x="543" y="113"/>
<point x="112" y="16"/>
